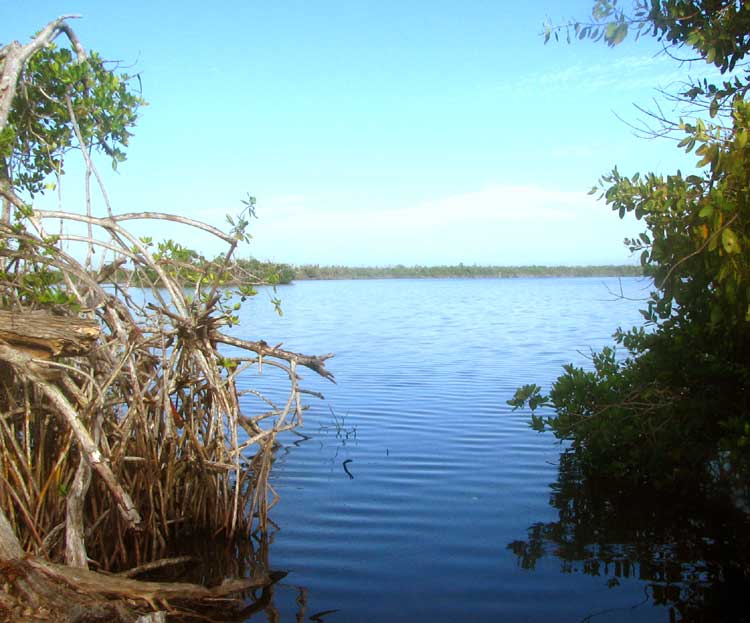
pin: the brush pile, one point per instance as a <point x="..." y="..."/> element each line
<point x="121" y="430"/>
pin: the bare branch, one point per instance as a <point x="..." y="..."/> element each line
<point x="317" y="364"/>
<point x="161" y="216"/>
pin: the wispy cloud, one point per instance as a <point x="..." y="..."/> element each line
<point x="499" y="224"/>
<point x="623" y="75"/>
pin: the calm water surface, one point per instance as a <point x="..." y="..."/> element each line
<point x="445" y="513"/>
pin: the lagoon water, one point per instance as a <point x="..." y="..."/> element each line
<point x="415" y="493"/>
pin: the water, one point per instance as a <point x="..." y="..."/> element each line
<point x="416" y="494"/>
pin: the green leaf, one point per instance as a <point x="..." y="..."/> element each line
<point x="729" y="241"/>
<point x="741" y="138"/>
<point x="713" y="108"/>
<point x="709" y="152"/>
<point x="620" y="34"/>
<point x="694" y="37"/>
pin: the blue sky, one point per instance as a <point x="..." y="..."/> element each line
<point x="375" y="133"/>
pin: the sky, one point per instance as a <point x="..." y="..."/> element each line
<point x="374" y="133"/>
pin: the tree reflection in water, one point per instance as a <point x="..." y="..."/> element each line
<point x="692" y="550"/>
<point x="210" y="561"/>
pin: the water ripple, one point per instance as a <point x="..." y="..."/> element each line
<point x="444" y="474"/>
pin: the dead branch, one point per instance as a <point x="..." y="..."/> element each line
<point x="150" y="592"/>
<point x="48" y="335"/>
<point x="316" y="364"/>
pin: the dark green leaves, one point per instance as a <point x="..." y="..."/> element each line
<point x="7" y="141"/>
<point x="528" y="394"/>
<point x="681" y="395"/>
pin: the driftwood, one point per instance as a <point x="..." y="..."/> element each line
<point x="160" y="593"/>
<point x="45" y="335"/>
<point x="34" y="590"/>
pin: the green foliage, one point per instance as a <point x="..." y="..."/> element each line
<point x="240" y="223"/>
<point x="258" y="272"/>
<point x="28" y="275"/>
<point x="59" y="101"/>
<point x="40" y="128"/>
<point x="679" y="401"/>
<point x="641" y="418"/>
<point x="715" y="29"/>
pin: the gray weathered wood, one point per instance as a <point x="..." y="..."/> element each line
<point x="10" y="548"/>
<point x="42" y="334"/>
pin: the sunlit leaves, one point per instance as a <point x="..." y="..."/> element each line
<point x="40" y="129"/>
<point x="740" y="139"/>
<point x="7" y="140"/>
<point x="616" y="33"/>
<point x="729" y="241"/>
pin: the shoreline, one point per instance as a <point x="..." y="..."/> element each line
<point x="332" y="273"/>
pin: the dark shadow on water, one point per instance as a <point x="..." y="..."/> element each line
<point x="212" y="561"/>
<point x="690" y="550"/>
<point x="209" y="561"/>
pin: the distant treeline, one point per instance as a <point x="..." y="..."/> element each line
<point x="400" y="271"/>
<point x="255" y="272"/>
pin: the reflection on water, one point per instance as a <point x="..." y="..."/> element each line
<point x="445" y="476"/>
<point x="207" y="561"/>
<point x="690" y="550"/>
